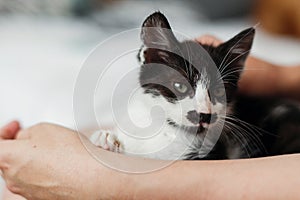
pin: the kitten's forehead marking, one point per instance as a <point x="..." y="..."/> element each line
<point x="141" y="55"/>
<point x="204" y="80"/>
<point x="202" y="102"/>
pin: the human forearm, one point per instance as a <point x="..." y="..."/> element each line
<point x="181" y="180"/>
<point x="231" y="179"/>
<point x="262" y="178"/>
<point x="290" y="82"/>
<point x="70" y="172"/>
<point x="261" y="78"/>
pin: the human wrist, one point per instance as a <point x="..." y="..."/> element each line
<point x="105" y="182"/>
<point x="174" y="182"/>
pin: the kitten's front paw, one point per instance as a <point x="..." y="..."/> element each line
<point x="105" y="139"/>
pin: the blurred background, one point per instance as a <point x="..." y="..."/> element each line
<point x="44" y="42"/>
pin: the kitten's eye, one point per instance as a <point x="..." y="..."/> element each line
<point x="219" y="92"/>
<point x="181" y="88"/>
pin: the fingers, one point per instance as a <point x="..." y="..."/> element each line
<point x="10" y="130"/>
<point x="7" y="145"/>
<point x="209" y="40"/>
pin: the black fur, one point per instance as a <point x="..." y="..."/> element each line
<point x="267" y="126"/>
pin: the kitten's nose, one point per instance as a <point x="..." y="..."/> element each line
<point x="198" y="118"/>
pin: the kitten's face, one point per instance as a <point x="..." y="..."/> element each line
<point x="202" y="83"/>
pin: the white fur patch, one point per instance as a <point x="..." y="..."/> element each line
<point x="202" y="102"/>
<point x="141" y="55"/>
<point x="144" y="130"/>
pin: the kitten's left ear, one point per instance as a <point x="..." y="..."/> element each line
<point x="156" y="32"/>
<point x="236" y="50"/>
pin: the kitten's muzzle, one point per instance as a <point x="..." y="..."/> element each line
<point x="201" y="118"/>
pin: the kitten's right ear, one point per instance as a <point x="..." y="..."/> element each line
<point x="236" y="50"/>
<point x="156" y="32"/>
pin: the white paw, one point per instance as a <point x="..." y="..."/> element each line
<point x="105" y="139"/>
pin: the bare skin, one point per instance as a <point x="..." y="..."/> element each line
<point x="42" y="162"/>
<point x="49" y="162"/>
<point x="30" y="168"/>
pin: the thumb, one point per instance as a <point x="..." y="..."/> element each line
<point x="9" y="131"/>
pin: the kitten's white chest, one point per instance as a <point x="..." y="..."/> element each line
<point x="143" y="130"/>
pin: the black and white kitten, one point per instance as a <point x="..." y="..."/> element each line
<point x="204" y="115"/>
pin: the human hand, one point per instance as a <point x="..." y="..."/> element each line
<point x="50" y="162"/>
